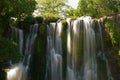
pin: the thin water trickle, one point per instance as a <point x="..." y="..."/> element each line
<point x="19" y="71"/>
<point x="21" y="40"/>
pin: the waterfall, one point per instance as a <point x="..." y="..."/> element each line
<point x="19" y="71"/>
<point x="85" y="54"/>
<point x="54" y="51"/>
<point x="85" y="57"/>
<point x="70" y="72"/>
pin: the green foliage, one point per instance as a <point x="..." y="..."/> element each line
<point x="12" y="10"/>
<point x="98" y="8"/>
<point x="25" y="24"/>
<point x="111" y="41"/>
<point x="49" y="8"/>
<point x="17" y="8"/>
<point x="71" y="12"/>
<point x="8" y="50"/>
<point x="8" y="9"/>
<point x="114" y="32"/>
<point x="114" y="5"/>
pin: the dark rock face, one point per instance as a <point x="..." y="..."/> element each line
<point x="112" y="49"/>
<point x="3" y="65"/>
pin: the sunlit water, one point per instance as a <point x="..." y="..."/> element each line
<point x="84" y="43"/>
<point x="17" y="72"/>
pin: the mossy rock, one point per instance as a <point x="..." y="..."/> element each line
<point x="38" y="61"/>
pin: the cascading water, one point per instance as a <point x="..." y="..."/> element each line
<point x="19" y="71"/>
<point x="70" y="72"/>
<point x="20" y="40"/>
<point x="85" y="58"/>
<point x="54" y="51"/>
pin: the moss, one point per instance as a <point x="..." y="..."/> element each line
<point x="41" y="39"/>
<point x="41" y="49"/>
<point x="110" y="24"/>
<point x="64" y="47"/>
<point x="49" y="19"/>
<point x="38" y="62"/>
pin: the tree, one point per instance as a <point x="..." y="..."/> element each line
<point x="50" y="7"/>
<point x="16" y="8"/>
<point x="71" y="12"/>
<point x="114" y="5"/>
<point x="98" y="7"/>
